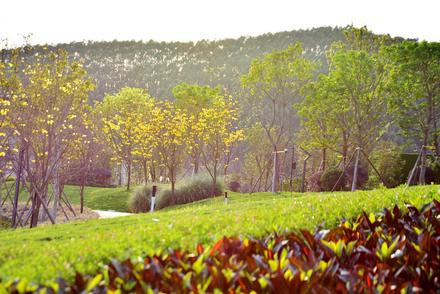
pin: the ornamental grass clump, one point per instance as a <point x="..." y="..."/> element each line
<point x="191" y="190"/>
<point x="140" y="199"/>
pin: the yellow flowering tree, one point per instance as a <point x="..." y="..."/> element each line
<point x="171" y="132"/>
<point x="192" y="99"/>
<point x="217" y="128"/>
<point x="125" y="119"/>
<point x="49" y="98"/>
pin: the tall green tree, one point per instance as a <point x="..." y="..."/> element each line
<point x="273" y="85"/>
<point x="415" y="86"/>
<point x="358" y="82"/>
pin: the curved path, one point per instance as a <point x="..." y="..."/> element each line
<point x="111" y="213"/>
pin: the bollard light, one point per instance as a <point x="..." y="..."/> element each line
<point x="153" y="198"/>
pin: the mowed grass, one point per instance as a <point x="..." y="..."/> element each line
<point x="94" y="197"/>
<point x="45" y="253"/>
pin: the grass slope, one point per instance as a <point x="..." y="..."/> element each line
<point x="100" y="198"/>
<point x="47" y="252"/>
<point x="94" y="197"/>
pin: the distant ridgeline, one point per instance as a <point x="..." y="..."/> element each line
<point x="159" y="66"/>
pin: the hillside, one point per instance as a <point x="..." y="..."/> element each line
<point x="159" y="66"/>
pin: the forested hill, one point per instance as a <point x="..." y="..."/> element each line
<point x="159" y="66"/>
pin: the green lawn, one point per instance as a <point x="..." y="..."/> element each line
<point x="95" y="197"/>
<point x="100" y="198"/>
<point x="47" y="252"/>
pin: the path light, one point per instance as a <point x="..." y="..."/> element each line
<point x="153" y="197"/>
<point x="226" y="197"/>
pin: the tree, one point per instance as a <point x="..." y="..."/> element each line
<point x="358" y="80"/>
<point x="346" y="108"/>
<point x="217" y="129"/>
<point x="171" y="132"/>
<point x="193" y="99"/>
<point x="49" y="98"/>
<point x="323" y="121"/>
<point x="123" y="117"/>
<point x="273" y="85"/>
<point x="415" y="89"/>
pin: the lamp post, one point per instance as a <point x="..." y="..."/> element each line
<point x="275" y="169"/>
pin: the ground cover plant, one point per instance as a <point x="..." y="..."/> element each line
<point x="47" y="252"/>
<point x="397" y="250"/>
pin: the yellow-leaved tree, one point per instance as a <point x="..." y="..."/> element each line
<point x="217" y="128"/>
<point x="171" y="132"/>
<point x="48" y="98"/>
<point x="125" y="121"/>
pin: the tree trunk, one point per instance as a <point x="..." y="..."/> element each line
<point x="35" y="210"/>
<point x="435" y="132"/>
<point x="173" y="187"/>
<point x="324" y="159"/>
<point x="423" y="159"/>
<point x="81" y="193"/>
<point x="129" y="175"/>
<point x="214" y="181"/>
<point x="196" y="166"/>
<point x="56" y="189"/>
<point x="120" y="175"/>
<point x="152" y="171"/>
<point x="145" y="171"/>
<point x="275" y="172"/>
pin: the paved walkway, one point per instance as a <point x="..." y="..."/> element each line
<point x="111" y="213"/>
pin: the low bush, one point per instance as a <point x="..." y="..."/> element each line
<point x="95" y="177"/>
<point x="140" y="200"/>
<point x="296" y="185"/>
<point x="388" y="161"/>
<point x="395" y="252"/>
<point x="315" y="182"/>
<point x="191" y="190"/>
<point x="234" y="186"/>
<point x="429" y="176"/>
<point x="330" y="177"/>
<point x="362" y="176"/>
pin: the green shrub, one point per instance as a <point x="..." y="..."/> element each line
<point x="140" y="200"/>
<point x="234" y="186"/>
<point x="362" y="176"/>
<point x="388" y="161"/>
<point x="191" y="190"/>
<point x="296" y="185"/>
<point x="330" y="177"/>
<point x="314" y="181"/>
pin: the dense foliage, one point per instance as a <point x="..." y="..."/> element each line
<point x="333" y="180"/>
<point x="398" y="250"/>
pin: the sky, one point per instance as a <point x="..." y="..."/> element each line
<point x="63" y="21"/>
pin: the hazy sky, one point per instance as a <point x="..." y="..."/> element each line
<point x="56" y="21"/>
